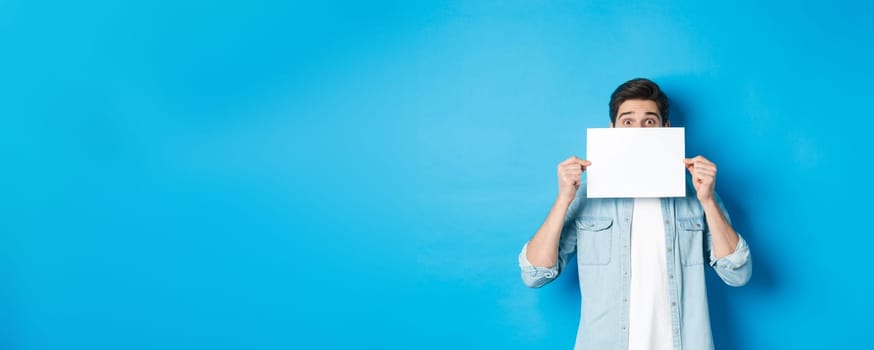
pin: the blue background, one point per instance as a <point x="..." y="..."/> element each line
<point x="276" y="175"/>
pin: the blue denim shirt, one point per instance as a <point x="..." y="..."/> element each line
<point x="598" y="230"/>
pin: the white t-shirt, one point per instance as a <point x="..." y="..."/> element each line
<point x="649" y="309"/>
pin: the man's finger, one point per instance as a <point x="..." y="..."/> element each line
<point x="571" y="167"/>
<point x="705" y="167"/>
<point x="569" y="160"/>
<point x="705" y="176"/>
<point x="701" y="159"/>
<point x="705" y="171"/>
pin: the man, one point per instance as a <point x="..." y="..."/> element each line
<point x="641" y="260"/>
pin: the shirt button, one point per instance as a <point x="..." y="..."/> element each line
<point x="674" y="303"/>
<point x="625" y="300"/>
<point x="627" y="219"/>
<point x="669" y="250"/>
<point x="671" y="276"/>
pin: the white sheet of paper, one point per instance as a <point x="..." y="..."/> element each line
<point x="635" y="162"/>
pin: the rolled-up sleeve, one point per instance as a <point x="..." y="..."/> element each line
<point x="736" y="268"/>
<point x="537" y="276"/>
<point x="533" y="276"/>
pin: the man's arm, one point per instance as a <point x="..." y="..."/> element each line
<point x="722" y="235"/>
<point x="729" y="253"/>
<point x="543" y="247"/>
<point x="544" y="255"/>
<point x="703" y="173"/>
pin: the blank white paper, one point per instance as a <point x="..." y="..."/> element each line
<point x="635" y="162"/>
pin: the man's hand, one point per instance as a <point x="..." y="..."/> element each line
<point x="570" y="172"/>
<point x="703" y="174"/>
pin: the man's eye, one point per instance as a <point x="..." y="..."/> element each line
<point x="626" y="122"/>
<point x="650" y="122"/>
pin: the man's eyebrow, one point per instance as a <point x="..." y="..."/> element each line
<point x="646" y="113"/>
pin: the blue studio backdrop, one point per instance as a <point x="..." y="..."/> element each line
<point x="327" y="175"/>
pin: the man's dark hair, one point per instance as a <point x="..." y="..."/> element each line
<point x="639" y="89"/>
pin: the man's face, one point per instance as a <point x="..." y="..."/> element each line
<point x="639" y="114"/>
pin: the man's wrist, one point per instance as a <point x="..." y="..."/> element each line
<point x="709" y="203"/>
<point x="563" y="202"/>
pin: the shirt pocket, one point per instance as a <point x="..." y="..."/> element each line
<point x="594" y="245"/>
<point x="690" y="232"/>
